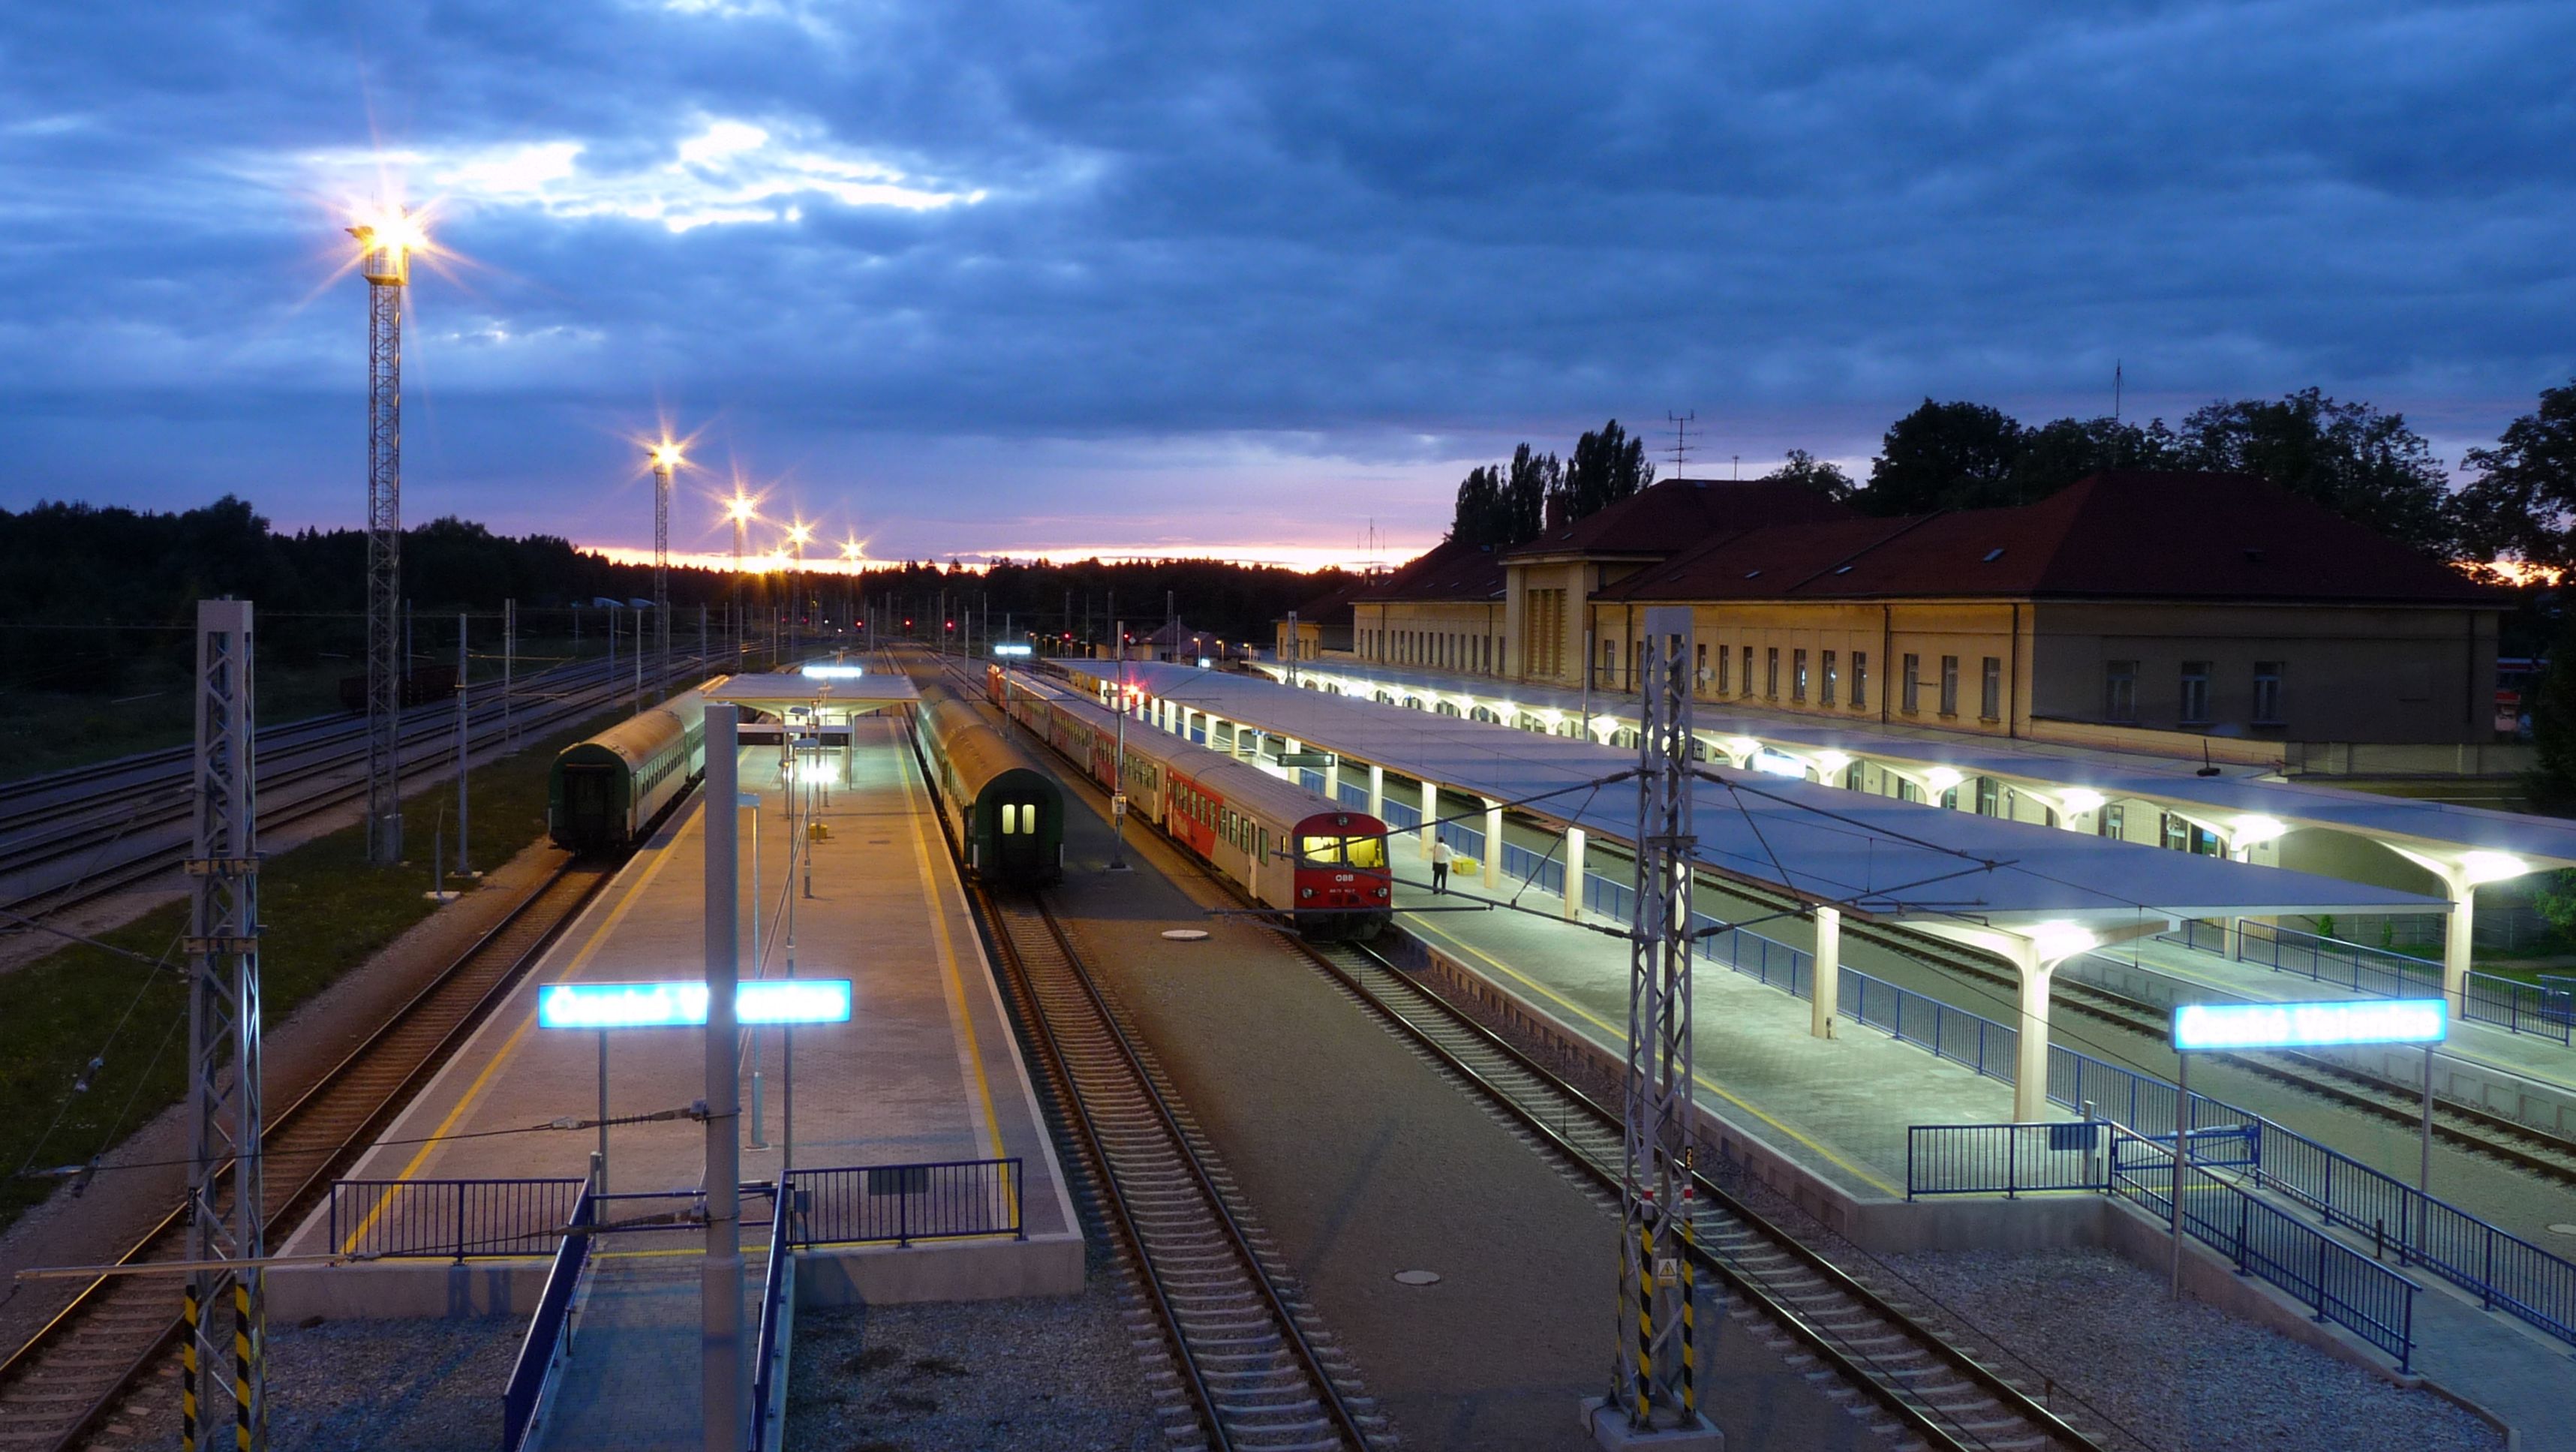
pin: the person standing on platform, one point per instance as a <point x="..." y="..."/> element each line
<point x="1440" y="855"/>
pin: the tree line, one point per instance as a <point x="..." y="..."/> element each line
<point x="2518" y="505"/>
<point x="1508" y="504"/>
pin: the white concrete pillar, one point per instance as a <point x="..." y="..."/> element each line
<point x="1430" y="816"/>
<point x="1377" y="791"/>
<point x="1827" y="988"/>
<point x="1333" y="781"/>
<point x="2030" y="1078"/>
<point x="2456" y="941"/>
<point x="1493" y="846"/>
<point x="1573" y="872"/>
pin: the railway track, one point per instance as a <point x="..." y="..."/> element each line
<point x="1254" y="1373"/>
<point x="1877" y="1342"/>
<point x="119" y="1334"/>
<point x="137" y="844"/>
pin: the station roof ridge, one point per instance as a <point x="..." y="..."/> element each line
<point x="1676" y="513"/>
<point x="2120" y="533"/>
<point x="2061" y="767"/>
<point x="1452" y="570"/>
<point x="1876" y="855"/>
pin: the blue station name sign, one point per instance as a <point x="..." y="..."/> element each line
<point x="2199" y="1027"/>
<point x="684" y="1004"/>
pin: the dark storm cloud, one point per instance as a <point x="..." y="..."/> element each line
<point x="1363" y="238"/>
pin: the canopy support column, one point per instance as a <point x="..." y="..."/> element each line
<point x="1573" y="873"/>
<point x="1824" y="997"/>
<point x="1493" y="845"/>
<point x="1430" y="815"/>
<point x="1377" y="791"/>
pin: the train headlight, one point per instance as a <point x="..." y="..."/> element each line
<point x="1305" y="892"/>
<point x="1381" y="892"/>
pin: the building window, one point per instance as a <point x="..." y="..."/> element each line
<point x="1860" y="680"/>
<point x="1990" y="690"/>
<point x="2111" y="821"/>
<point x="1913" y="678"/>
<point x="1699" y="669"/>
<point x="2175" y="832"/>
<point x="2120" y="690"/>
<point x="2195" y="692"/>
<point x="1746" y="685"/>
<point x="2267" y="693"/>
<point x="1989" y="797"/>
<point x="1825" y="697"/>
<point x="1723" y="655"/>
<point x="1949" y="685"/>
<point x="1798" y="675"/>
<point x="1771" y="674"/>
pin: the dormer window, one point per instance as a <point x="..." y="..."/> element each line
<point x="1749" y="574"/>
<point x="1993" y="555"/>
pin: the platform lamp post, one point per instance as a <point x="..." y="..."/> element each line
<point x="798" y="533"/>
<point x="386" y="239"/>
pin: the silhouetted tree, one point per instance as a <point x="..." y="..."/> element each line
<point x="2057" y="454"/>
<point x="1943" y="456"/>
<point x="1605" y="467"/>
<point x="1533" y="477"/>
<point x="2522" y="505"/>
<point x="2365" y="465"/>
<point x="1807" y="471"/>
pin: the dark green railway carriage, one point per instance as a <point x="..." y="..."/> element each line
<point x="1006" y="816"/>
<point x="604" y="793"/>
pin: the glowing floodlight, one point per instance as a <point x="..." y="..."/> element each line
<point x="1942" y="778"/>
<point x="2082" y="799"/>
<point x="2251" y="831"/>
<point x="387" y="237"/>
<point x="1740" y="747"/>
<point x="1830" y="762"/>
<point x="603" y="1006"/>
<point x="2480" y="867"/>
<point x="2199" y="1027"/>
<point x="741" y="508"/>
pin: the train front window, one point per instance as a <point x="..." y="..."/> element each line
<point x="1365" y="852"/>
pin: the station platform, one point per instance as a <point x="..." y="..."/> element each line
<point x="925" y="1073"/>
<point x="1824" y="1122"/>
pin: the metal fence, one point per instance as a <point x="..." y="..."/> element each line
<point x="862" y="1204"/>
<point x="1397" y="814"/>
<point x="2341" y="1284"/>
<point x="769" y="1361"/>
<point x="546" y="1330"/>
<point x="2005" y="1159"/>
<point x="1610" y="898"/>
<point x="1465" y="840"/>
<point x="1522" y="865"/>
<point x="2524" y="1008"/>
<point x="452" y="1219"/>
<point x="1771" y="962"/>
<point x="1355" y="797"/>
<point x="2508" y="1003"/>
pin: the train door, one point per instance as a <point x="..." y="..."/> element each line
<point x="593" y="817"/>
<point x="1019" y="836"/>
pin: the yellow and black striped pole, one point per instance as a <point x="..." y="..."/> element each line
<point x="1690" y="1307"/>
<point x="189" y="1370"/>
<point x="248" y="1412"/>
<point x="1645" y="1325"/>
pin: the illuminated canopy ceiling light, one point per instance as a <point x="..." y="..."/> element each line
<point x="1942" y="778"/>
<point x="1831" y="761"/>
<point x="2082" y="799"/>
<point x="2478" y="867"/>
<point x="1741" y="746"/>
<point x="2056" y="941"/>
<point x="2252" y="830"/>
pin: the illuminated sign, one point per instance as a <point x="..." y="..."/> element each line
<point x="1013" y="650"/>
<point x="834" y="672"/>
<point x="684" y="1005"/>
<point x="2203" y="1026"/>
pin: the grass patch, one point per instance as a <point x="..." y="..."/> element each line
<point x="325" y="909"/>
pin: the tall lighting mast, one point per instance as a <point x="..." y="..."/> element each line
<point x="741" y="508"/>
<point x="798" y="533"/>
<point x="666" y="458"/>
<point x="386" y="241"/>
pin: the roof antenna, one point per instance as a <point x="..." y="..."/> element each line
<point x="2207" y="767"/>
<point x="1681" y="437"/>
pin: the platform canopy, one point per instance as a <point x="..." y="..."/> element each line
<point x="834" y="687"/>
<point x="1872" y="855"/>
<point x="2236" y="804"/>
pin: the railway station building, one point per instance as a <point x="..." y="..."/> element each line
<point x="2167" y="613"/>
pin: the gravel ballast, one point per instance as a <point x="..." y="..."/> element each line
<point x="388" y="1386"/>
<point x="2182" y="1374"/>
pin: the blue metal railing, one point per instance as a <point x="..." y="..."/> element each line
<point x="2542" y="1010"/>
<point x="2005" y="1159"/>
<point x="1769" y="961"/>
<point x="1465" y="840"/>
<point x="539" y="1354"/>
<point x="450" y="1219"/>
<point x="1521" y="865"/>
<point x="1355" y="797"/>
<point x="1612" y="899"/>
<point x="1309" y="778"/>
<point x="861" y="1204"/>
<point x="2343" y="1285"/>
<point x="769" y="1361"/>
<point x="1397" y="814"/>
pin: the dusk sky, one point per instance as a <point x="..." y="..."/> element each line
<point x="1231" y="278"/>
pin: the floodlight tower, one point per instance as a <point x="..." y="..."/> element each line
<point x="741" y="509"/>
<point x="851" y="554"/>
<point x="386" y="241"/>
<point x="665" y="458"/>
<point x="798" y="533"/>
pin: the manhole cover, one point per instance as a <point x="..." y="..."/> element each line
<point x="1417" y="1278"/>
<point x="1185" y="935"/>
<point x="2562" y="1228"/>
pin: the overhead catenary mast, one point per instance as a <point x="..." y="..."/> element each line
<point x="386" y="240"/>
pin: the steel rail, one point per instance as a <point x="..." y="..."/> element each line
<point x="1230" y="1422"/>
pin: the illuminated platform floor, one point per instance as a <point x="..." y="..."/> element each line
<point x="1839" y="1106"/>
<point x="927" y="1070"/>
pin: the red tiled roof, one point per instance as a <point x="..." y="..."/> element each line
<point x="1678" y="513"/>
<point x="1451" y="571"/>
<point x="1332" y="604"/>
<point x="2121" y="533"/>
